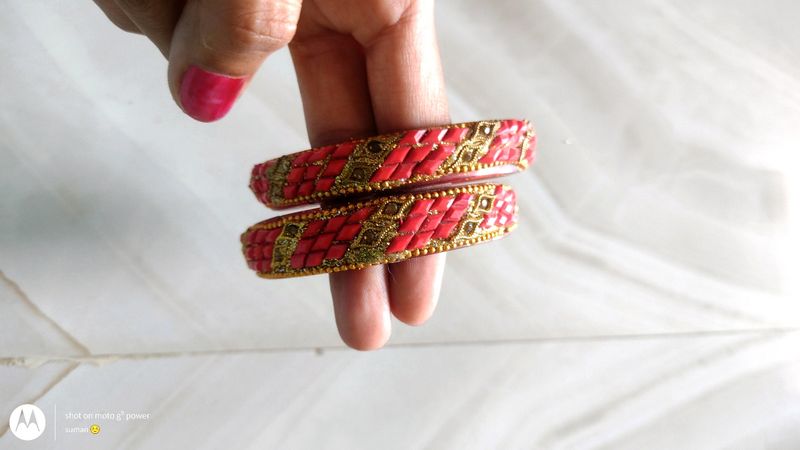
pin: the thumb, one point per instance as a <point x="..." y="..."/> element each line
<point x="218" y="45"/>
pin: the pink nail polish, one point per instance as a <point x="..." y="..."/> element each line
<point x="208" y="96"/>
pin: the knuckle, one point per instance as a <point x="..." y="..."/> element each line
<point x="389" y="12"/>
<point x="263" y="30"/>
<point x="388" y="15"/>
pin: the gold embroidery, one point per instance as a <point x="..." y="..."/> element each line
<point x="472" y="149"/>
<point x="285" y="245"/>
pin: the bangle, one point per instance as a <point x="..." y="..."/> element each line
<point x="387" y="198"/>
<point x="464" y="151"/>
<point x="382" y="230"/>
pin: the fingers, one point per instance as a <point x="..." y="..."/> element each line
<point x="333" y="85"/>
<point x="405" y="73"/>
<point x="332" y="78"/>
<point x="414" y="286"/>
<point x="407" y="89"/>
<point x="214" y="46"/>
<point x="218" y="45"/>
<point x="361" y="307"/>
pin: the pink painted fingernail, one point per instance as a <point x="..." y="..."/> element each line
<point x="208" y="96"/>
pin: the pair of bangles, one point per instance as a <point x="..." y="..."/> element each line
<point x="387" y="198"/>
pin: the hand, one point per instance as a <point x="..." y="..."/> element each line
<point x="363" y="66"/>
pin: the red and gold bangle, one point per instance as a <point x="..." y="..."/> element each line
<point x="415" y="157"/>
<point x="390" y="201"/>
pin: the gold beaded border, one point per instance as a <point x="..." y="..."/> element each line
<point x="328" y="213"/>
<point x="369" y="186"/>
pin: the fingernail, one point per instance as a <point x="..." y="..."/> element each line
<point x="208" y="96"/>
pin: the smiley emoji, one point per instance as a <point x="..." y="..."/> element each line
<point x="94" y="429"/>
